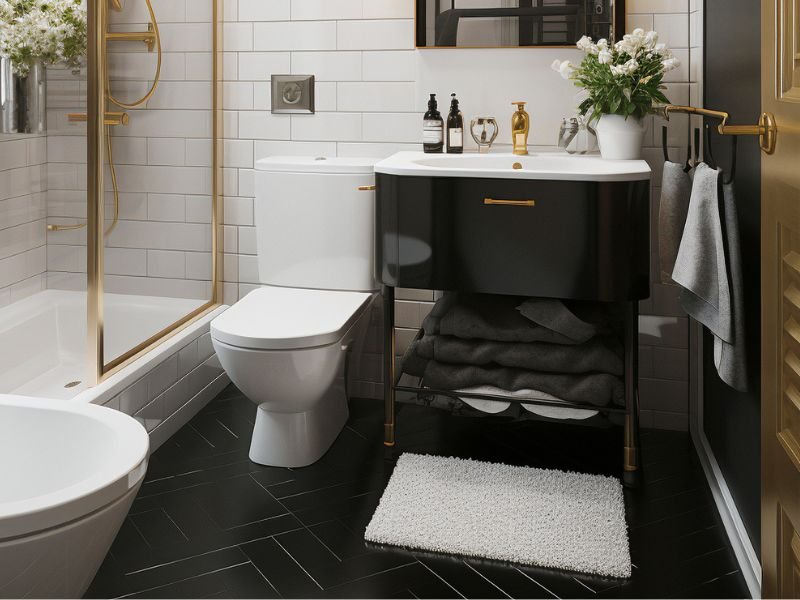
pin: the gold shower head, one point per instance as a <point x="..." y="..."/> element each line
<point x="115" y="4"/>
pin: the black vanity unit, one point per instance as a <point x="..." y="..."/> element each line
<point x="577" y="240"/>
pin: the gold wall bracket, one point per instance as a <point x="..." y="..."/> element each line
<point x="147" y="37"/>
<point x="766" y="129"/>
<point x="112" y="118"/>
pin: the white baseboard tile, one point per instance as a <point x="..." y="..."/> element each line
<point x="734" y="526"/>
<point x="184" y="414"/>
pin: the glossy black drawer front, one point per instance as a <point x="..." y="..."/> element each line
<point x="561" y="239"/>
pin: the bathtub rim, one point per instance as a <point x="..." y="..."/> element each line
<point x="56" y="508"/>
<point x="119" y="380"/>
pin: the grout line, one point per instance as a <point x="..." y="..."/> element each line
<point x="171" y="520"/>
<point x="185" y="579"/>
<point x="442" y="578"/>
<point x="226" y="428"/>
<point x="193" y="556"/>
<point x="584" y="585"/>
<point x="265" y="578"/>
<point x="328" y="548"/>
<point x="489" y="581"/>
<point x="193" y="428"/>
<point x="289" y="554"/>
<point x="524" y="574"/>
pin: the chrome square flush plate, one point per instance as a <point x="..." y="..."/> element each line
<point x="293" y="94"/>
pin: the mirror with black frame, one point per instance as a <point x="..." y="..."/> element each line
<point x="514" y="23"/>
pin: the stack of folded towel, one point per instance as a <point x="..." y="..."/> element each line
<point x="534" y="348"/>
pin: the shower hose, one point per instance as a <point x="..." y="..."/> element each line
<point x="125" y="105"/>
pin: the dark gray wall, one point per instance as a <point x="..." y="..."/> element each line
<point x="732" y="82"/>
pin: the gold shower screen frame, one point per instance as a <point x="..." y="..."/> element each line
<point x="97" y="368"/>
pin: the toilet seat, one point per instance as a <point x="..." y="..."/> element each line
<point x="278" y="318"/>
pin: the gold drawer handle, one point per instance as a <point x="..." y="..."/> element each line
<point x="367" y="188"/>
<point x="497" y="202"/>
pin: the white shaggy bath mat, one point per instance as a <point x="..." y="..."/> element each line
<point x="517" y="514"/>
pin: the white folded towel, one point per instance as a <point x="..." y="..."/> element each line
<point x="497" y="406"/>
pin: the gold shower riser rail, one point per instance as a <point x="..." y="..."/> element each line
<point x="766" y="129"/>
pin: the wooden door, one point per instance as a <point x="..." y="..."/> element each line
<point x="780" y="501"/>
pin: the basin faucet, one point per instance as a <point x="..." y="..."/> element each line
<point x="520" y="127"/>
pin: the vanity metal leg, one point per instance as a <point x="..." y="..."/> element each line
<point x="388" y="365"/>
<point x="632" y="460"/>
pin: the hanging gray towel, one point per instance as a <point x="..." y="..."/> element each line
<point x="711" y="274"/>
<point x="676" y="189"/>
<point x="731" y="359"/>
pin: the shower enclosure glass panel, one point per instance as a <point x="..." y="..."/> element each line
<point x="156" y="266"/>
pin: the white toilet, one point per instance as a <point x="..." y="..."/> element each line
<point x="286" y="345"/>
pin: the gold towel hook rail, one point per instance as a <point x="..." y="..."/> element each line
<point x="766" y="129"/>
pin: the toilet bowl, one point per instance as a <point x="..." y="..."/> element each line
<point x="288" y="345"/>
<point x="287" y="349"/>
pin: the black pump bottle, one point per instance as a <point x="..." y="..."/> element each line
<point x="455" y="128"/>
<point x="433" y="129"/>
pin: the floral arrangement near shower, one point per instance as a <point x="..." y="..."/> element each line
<point x="623" y="82"/>
<point x="48" y="32"/>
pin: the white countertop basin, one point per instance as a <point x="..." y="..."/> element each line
<point x="536" y="166"/>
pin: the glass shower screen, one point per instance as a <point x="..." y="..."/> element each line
<point x="156" y="228"/>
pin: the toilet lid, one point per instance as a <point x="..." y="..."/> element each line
<point x="275" y="318"/>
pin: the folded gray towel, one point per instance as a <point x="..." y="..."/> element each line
<point x="702" y="268"/>
<point x="676" y="189"/>
<point x="514" y="319"/>
<point x="599" y="389"/>
<point x="579" y="322"/>
<point x="486" y="317"/>
<point x="601" y="354"/>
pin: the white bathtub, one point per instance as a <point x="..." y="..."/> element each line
<point x="43" y="355"/>
<point x="68" y="475"/>
<point x="43" y="337"/>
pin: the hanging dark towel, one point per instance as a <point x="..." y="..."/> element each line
<point x="708" y="267"/>
<point x="676" y="189"/>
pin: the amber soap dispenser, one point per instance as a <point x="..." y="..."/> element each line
<point x="520" y="128"/>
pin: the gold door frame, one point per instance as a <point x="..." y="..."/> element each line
<point x="97" y="368"/>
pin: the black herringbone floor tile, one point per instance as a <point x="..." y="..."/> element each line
<point x="208" y="523"/>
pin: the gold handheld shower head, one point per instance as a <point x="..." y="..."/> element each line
<point x="115" y="4"/>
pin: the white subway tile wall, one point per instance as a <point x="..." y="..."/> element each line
<point x="371" y="88"/>
<point x="23" y="211"/>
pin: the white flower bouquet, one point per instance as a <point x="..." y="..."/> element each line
<point x="625" y="79"/>
<point x="47" y="31"/>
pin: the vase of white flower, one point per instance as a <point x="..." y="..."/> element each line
<point x="620" y="138"/>
<point x="23" y="99"/>
<point x="623" y="81"/>
<point x="34" y="34"/>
